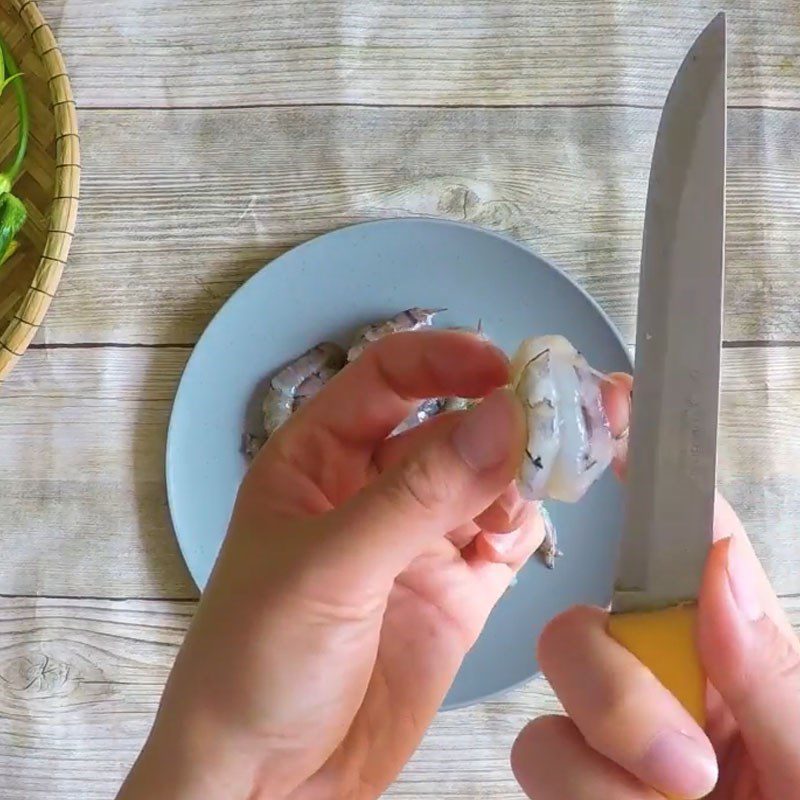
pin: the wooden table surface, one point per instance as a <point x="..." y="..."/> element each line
<point x="218" y="134"/>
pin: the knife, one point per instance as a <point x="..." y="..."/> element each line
<point x="673" y="434"/>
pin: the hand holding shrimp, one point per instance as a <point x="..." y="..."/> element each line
<point x="569" y="440"/>
<point x="357" y="572"/>
<point x="353" y="580"/>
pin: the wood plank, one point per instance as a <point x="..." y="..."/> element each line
<point x="82" y="488"/>
<point x="80" y="681"/>
<point x="81" y="469"/>
<point x="180" y="207"/>
<point x="517" y="52"/>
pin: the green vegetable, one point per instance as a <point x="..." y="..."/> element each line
<point x="12" y="210"/>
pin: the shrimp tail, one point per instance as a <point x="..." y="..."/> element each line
<point x="548" y="550"/>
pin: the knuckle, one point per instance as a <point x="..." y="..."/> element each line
<point x="744" y="674"/>
<point x="542" y="743"/>
<point x="424" y="481"/>
<point x="782" y="655"/>
<point x="789" y="664"/>
<point x="551" y="727"/>
<point x="536" y="737"/>
<point x="561" y="632"/>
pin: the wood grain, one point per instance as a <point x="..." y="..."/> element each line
<point x="179" y="208"/>
<point x="80" y="682"/>
<point x="454" y="52"/>
<point x="203" y="161"/>
<point x="82" y="436"/>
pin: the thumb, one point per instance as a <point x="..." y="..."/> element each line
<point x="753" y="664"/>
<point x="453" y="475"/>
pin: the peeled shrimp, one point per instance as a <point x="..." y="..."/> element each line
<point x="411" y="319"/>
<point x="291" y="385"/>
<point x="569" y="441"/>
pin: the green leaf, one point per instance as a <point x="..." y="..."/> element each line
<point x="12" y="218"/>
<point x="12" y="248"/>
<point x="8" y="80"/>
<point x="24" y="127"/>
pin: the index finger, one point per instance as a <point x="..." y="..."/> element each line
<point x="369" y="398"/>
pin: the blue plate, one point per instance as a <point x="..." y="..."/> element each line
<point x="326" y="288"/>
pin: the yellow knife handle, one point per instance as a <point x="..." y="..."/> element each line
<point x="664" y="641"/>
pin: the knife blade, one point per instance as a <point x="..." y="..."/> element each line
<point x="673" y="434"/>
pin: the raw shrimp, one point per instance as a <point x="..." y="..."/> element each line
<point x="324" y="359"/>
<point x="423" y="412"/>
<point x="252" y="444"/>
<point x="548" y="550"/>
<point x="307" y="389"/>
<point x="411" y="319"/>
<point x="464" y="403"/>
<point x="569" y="441"/>
<point x="433" y="406"/>
<point x="312" y="385"/>
<point x="457" y="404"/>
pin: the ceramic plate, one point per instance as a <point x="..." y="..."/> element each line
<point x="325" y="289"/>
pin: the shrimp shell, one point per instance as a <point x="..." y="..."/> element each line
<point x="252" y="444"/>
<point x="548" y="550"/>
<point x="279" y="402"/>
<point x="411" y="319"/>
<point x="433" y="406"/>
<point x="458" y="404"/>
<point x="312" y="385"/>
<point x="423" y="412"/>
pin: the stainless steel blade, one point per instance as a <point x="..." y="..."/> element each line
<point x="673" y="444"/>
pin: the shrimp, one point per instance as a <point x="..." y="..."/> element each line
<point x="435" y="405"/>
<point x="411" y="319"/>
<point x="252" y="444"/>
<point x="569" y="441"/>
<point x="312" y="385"/>
<point x="286" y="388"/>
<point x="548" y="550"/>
<point x="458" y="404"/>
<point x="423" y="412"/>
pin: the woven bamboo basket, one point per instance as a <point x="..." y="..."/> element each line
<point x="48" y="184"/>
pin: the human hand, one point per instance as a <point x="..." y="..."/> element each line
<point x="626" y="733"/>
<point x="356" y="573"/>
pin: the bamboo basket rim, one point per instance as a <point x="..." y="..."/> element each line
<point x="19" y="332"/>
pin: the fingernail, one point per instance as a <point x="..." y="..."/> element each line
<point x="742" y="581"/>
<point x="680" y="765"/>
<point x="484" y="437"/>
<point x="503" y="543"/>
